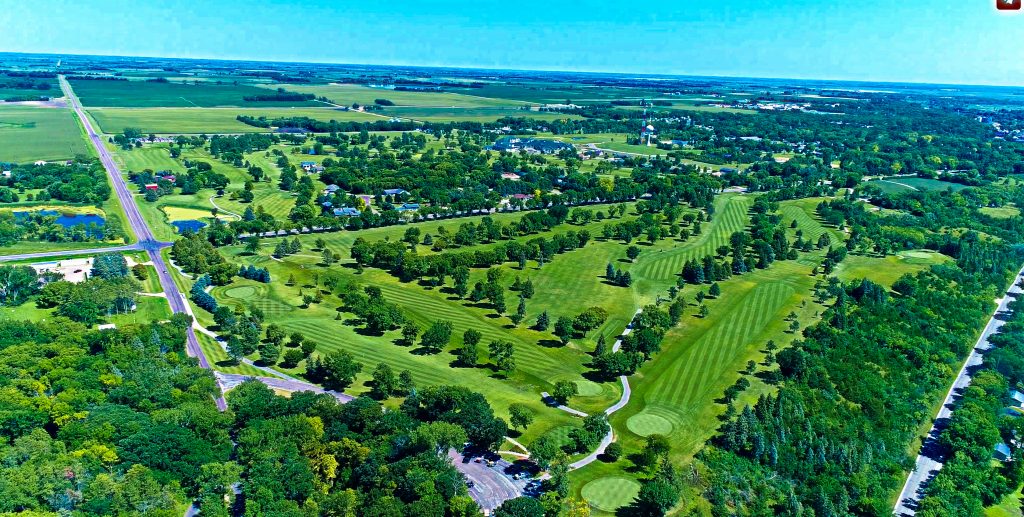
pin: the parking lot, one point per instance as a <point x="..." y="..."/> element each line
<point x="490" y="486"/>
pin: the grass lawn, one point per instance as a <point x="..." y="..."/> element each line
<point x="209" y="120"/>
<point x="28" y="134"/>
<point x="205" y="94"/>
<point x="1002" y="212"/>
<point x="887" y="270"/>
<point x="896" y="185"/>
<point x="1010" y="506"/>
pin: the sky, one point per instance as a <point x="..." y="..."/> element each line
<point x="937" y="41"/>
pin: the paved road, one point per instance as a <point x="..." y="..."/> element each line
<point x="70" y="253"/>
<point x="930" y="459"/>
<point x="145" y="236"/>
<point x="623" y="400"/>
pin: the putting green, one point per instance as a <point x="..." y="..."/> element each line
<point x="610" y="493"/>
<point x="588" y="388"/>
<point x="917" y="254"/>
<point x="241" y="292"/>
<point x="646" y="424"/>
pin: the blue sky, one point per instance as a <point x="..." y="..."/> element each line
<point x="940" y="41"/>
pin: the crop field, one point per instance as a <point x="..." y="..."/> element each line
<point x="208" y="120"/>
<point x="556" y="93"/>
<point x="346" y="94"/>
<point x="896" y="185"/>
<point x="28" y="134"/>
<point x="480" y="114"/>
<point x="145" y="94"/>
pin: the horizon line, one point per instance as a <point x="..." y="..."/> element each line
<point x="635" y="75"/>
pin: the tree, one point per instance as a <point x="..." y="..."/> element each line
<point x="613" y="452"/>
<point x="656" y="497"/>
<point x="17" y="284"/>
<point x="502" y="353"/>
<point x="520" y="314"/>
<point x="236" y="349"/>
<point x="564" y="329"/>
<point x="543" y="321"/>
<point x="269" y="352"/>
<point x="384" y="382"/>
<point x="252" y="245"/>
<point x="437" y="336"/>
<point x="409" y="332"/>
<point x="225" y="318"/>
<point x="109" y="265"/>
<point x="703" y="311"/>
<point x="292" y="358"/>
<point x="564" y="390"/>
<point x="715" y="291"/>
<point x="632" y="252"/>
<point x="522" y="506"/>
<point x="327" y="257"/>
<point x="339" y="370"/>
<point x="520" y="415"/>
<point x="468" y="354"/>
<point x="275" y="334"/>
<point x="528" y="289"/>
<point x="405" y="383"/>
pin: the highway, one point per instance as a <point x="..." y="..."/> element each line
<point x="931" y="457"/>
<point x="146" y="243"/>
<point x="69" y="253"/>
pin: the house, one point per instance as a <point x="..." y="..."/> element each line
<point x="331" y="189"/>
<point x="152" y="186"/>
<point x="535" y="145"/>
<point x="7" y="174"/>
<point x="326" y="204"/>
<point x="522" y="196"/>
<point x="106" y="326"/>
<point x="40" y="162"/>
<point x="1002" y="452"/>
<point x="510" y="176"/>
<point x="169" y="177"/>
<point x="409" y="207"/>
<point x="346" y="212"/>
<point x="727" y="170"/>
<point x="394" y="192"/>
<point x="1017" y="398"/>
<point x="306" y="166"/>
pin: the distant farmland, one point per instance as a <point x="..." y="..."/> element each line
<point x="144" y="94"/>
<point x="28" y="134"/>
<point x="208" y="120"/>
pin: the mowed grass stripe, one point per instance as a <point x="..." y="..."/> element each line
<point x="688" y="378"/>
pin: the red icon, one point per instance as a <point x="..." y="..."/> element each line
<point x="1008" y="5"/>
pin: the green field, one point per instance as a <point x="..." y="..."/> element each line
<point x="346" y="94"/>
<point x="444" y="114"/>
<point x="28" y="134"/>
<point x="209" y="120"/>
<point x="144" y="94"/>
<point x="910" y="184"/>
<point x="1002" y="212"/>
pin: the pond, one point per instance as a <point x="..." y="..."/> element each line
<point x="67" y="220"/>
<point x="188" y="225"/>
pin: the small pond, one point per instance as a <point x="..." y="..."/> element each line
<point x="67" y="220"/>
<point x="188" y="225"/>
